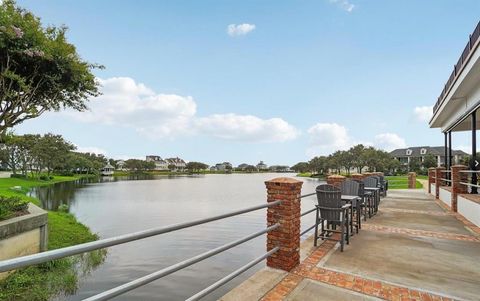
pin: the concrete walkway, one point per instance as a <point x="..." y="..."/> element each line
<point x="413" y="249"/>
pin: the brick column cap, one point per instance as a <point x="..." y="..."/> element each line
<point x="459" y="166"/>
<point x="412" y="173"/>
<point x="336" y="177"/>
<point x="283" y="180"/>
<point x="439" y="168"/>
<point x="431" y="168"/>
<point x="356" y="175"/>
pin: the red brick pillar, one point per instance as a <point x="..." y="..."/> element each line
<point x="367" y="174"/>
<point x="287" y="214"/>
<point x="431" y="178"/>
<point x="357" y="176"/>
<point x="458" y="188"/>
<point x="412" y="180"/>
<point x="335" y="180"/>
<point x="438" y="181"/>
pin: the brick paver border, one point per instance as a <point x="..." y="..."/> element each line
<point x="375" y="288"/>
<point x="419" y="233"/>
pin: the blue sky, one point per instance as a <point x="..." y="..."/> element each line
<point x="297" y="79"/>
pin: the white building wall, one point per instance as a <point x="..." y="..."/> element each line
<point x="445" y="196"/>
<point x="469" y="209"/>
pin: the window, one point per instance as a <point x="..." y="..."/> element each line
<point x="409" y="152"/>
<point x="423" y="151"/>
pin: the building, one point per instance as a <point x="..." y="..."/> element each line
<point x="405" y="155"/>
<point x="177" y="162"/>
<point x="160" y="164"/>
<point x="456" y="109"/>
<point x="121" y="165"/>
<point x="107" y="170"/>
<point x="222" y="166"/>
<point x="261" y="166"/>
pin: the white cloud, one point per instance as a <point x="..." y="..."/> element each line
<point x="125" y="103"/>
<point x="344" y="4"/>
<point x="246" y="128"/>
<point x="326" y="138"/>
<point x="423" y="113"/>
<point x="90" y="149"/>
<point x="389" y="141"/>
<point x="239" y="29"/>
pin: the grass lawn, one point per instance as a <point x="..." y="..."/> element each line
<point x="400" y="182"/>
<point x="43" y="281"/>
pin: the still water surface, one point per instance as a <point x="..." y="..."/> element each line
<point x="118" y="206"/>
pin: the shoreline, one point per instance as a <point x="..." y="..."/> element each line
<point x="44" y="281"/>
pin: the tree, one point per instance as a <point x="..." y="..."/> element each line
<point x="196" y="166"/>
<point x="357" y="158"/>
<point x="51" y="152"/>
<point x="39" y="70"/>
<point x="250" y="168"/>
<point x="318" y="165"/>
<point x="414" y="165"/>
<point x="429" y="161"/>
<point x="301" y="167"/>
<point x="172" y="166"/>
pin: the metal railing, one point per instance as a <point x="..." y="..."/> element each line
<point x="472" y="42"/>
<point x="471" y="184"/>
<point x="307" y="212"/>
<point x="20" y="262"/>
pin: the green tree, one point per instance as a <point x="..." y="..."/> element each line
<point x="39" y="70"/>
<point x="51" y="152"/>
<point x="196" y="166"/>
<point x="301" y="167"/>
<point x="357" y="156"/>
<point x="414" y="165"/>
<point x="429" y="161"/>
<point x="318" y="165"/>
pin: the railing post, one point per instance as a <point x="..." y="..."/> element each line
<point x="335" y="180"/>
<point x="357" y="176"/>
<point x="431" y="178"/>
<point x="287" y="214"/>
<point x="438" y="181"/>
<point x="412" y="180"/>
<point x="458" y="188"/>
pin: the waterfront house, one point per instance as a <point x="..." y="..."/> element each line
<point x="121" y="165"/>
<point x="261" y="166"/>
<point x="405" y="155"/>
<point x="177" y="162"/>
<point x="107" y="170"/>
<point x="160" y="164"/>
<point x="222" y="166"/>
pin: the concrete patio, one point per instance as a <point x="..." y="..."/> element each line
<point x="413" y="249"/>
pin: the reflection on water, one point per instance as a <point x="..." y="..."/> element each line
<point x="114" y="206"/>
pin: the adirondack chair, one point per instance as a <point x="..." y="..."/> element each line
<point x="351" y="187"/>
<point x="372" y="182"/>
<point x="331" y="212"/>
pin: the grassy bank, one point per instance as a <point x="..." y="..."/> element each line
<point x="400" y="182"/>
<point x="41" y="282"/>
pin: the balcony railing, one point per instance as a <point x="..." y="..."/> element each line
<point x="458" y="67"/>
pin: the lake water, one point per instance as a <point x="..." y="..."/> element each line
<point x="119" y="206"/>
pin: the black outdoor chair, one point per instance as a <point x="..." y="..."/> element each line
<point x="373" y="198"/>
<point x="351" y="187"/>
<point x="365" y="199"/>
<point x="331" y="212"/>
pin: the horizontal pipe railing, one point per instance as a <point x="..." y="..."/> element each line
<point x="307" y="195"/>
<point x="231" y="276"/>
<point x="446" y="180"/>
<point x="307" y="212"/>
<point x="470" y="184"/>
<point x="20" y="262"/>
<point x="305" y="231"/>
<point x="469" y="171"/>
<point x="119" y="290"/>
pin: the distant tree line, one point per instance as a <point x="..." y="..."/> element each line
<point x="358" y="158"/>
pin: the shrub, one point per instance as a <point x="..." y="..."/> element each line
<point x="45" y="178"/>
<point x="63" y="208"/>
<point x="9" y="206"/>
<point x="17" y="175"/>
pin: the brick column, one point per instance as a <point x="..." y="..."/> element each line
<point x="335" y="180"/>
<point x="431" y="176"/>
<point x="412" y="180"/>
<point x="287" y="214"/>
<point x="438" y="182"/>
<point x="458" y="188"/>
<point x="367" y="174"/>
<point x="357" y="176"/>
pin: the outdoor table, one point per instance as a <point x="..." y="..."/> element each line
<point x="376" y="194"/>
<point x="352" y="200"/>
